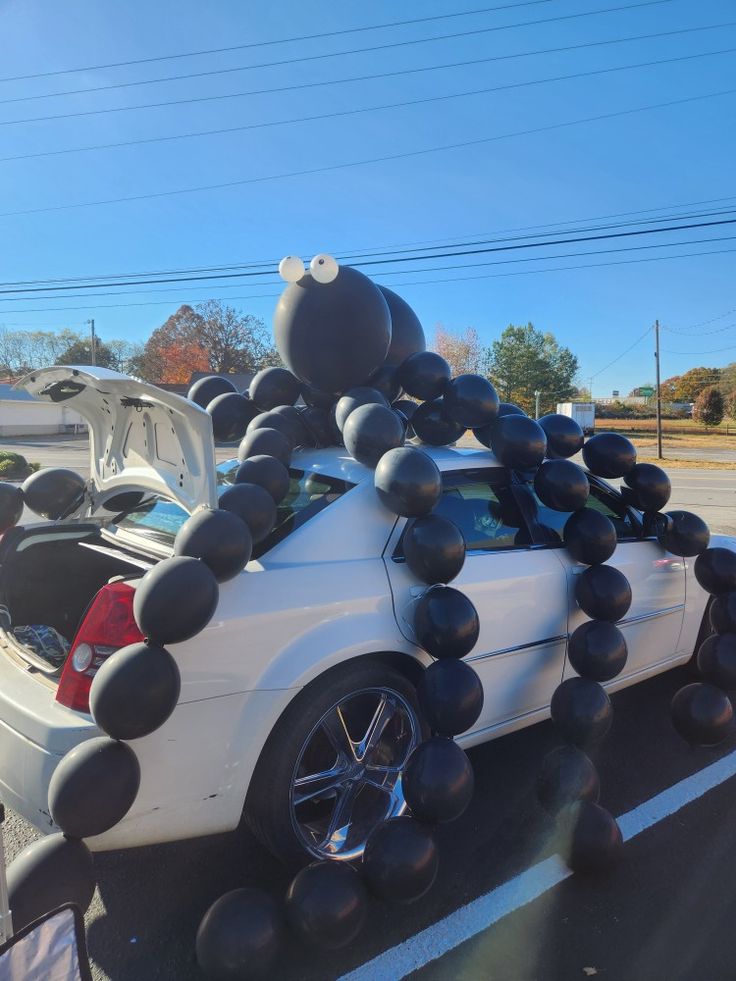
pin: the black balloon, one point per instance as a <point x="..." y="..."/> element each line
<point x="231" y="414"/>
<point x="274" y="386"/>
<point x="333" y="335"/>
<point x="651" y="486"/>
<point x="317" y="399"/>
<point x="565" y="438"/>
<point x="406" y="407"/>
<point x="94" y="787"/>
<point x="270" y="442"/>
<point x="254" y="506"/>
<point x="386" y="381"/>
<point x="451" y="696"/>
<point x="273" y="420"/>
<point x="48" y="873"/>
<point x="717" y="660"/>
<point x="582" y="711"/>
<point x="352" y="399"/>
<point x="603" y="593"/>
<point x="518" y="442"/>
<point x="562" y="485"/>
<point x="434" y="549"/>
<point x="326" y="904"/>
<point x="219" y="538"/>
<point x="317" y="425"/>
<point x="484" y="434"/>
<point x="295" y="428"/>
<point x="425" y="375"/>
<point x="471" y="401"/>
<point x="609" y="455"/>
<point x="175" y="600"/>
<point x="723" y="613"/>
<point x="431" y="424"/>
<point x="408" y="481"/>
<point x="370" y="431"/>
<point x="125" y="501"/>
<point x="446" y="622"/>
<point x="683" y="533"/>
<point x="438" y="781"/>
<point x="407" y="335"/>
<point x="266" y="471"/>
<point x="53" y="492"/>
<point x="135" y="691"/>
<point x="567" y="775"/>
<point x="595" y="841"/>
<point x="589" y="536"/>
<point x="206" y="389"/>
<point x="240" y="936"/>
<point x="715" y="570"/>
<point x="11" y="506"/>
<point x="597" y="650"/>
<point x="400" y="860"/>
<point x="510" y="409"/>
<point x="702" y="714"/>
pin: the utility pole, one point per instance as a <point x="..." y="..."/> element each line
<point x="91" y="325"/>
<point x="659" y="394"/>
<point x="536" y="404"/>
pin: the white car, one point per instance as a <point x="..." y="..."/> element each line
<point x="298" y="702"/>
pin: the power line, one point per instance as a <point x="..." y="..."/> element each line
<point x="444" y="97"/>
<point x="716" y="350"/>
<point x="624" y="353"/>
<point x="371" y="160"/>
<point x="704" y="323"/>
<point x="335" y="54"/>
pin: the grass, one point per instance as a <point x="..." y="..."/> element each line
<point x="673" y="426"/>
<point x="673" y="463"/>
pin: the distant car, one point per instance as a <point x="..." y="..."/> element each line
<point x="298" y="702"/>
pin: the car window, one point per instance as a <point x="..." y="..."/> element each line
<point x="600" y="499"/>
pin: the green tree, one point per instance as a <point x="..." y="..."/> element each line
<point x="524" y="360"/>
<point x="708" y="409"/>
<point x="80" y="352"/>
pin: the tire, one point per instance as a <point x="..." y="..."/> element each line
<point x="299" y="747"/>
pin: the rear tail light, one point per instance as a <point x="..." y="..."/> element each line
<point x="108" y="625"/>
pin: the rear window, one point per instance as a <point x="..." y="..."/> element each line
<point x="309" y="493"/>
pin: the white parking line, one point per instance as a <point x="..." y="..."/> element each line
<point x="479" y="915"/>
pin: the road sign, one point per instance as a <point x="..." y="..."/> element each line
<point x="646" y="390"/>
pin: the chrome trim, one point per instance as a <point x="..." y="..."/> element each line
<point x="519" y="647"/>
<point x="652" y="616"/>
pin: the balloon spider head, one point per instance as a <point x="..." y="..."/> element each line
<point x="323" y="269"/>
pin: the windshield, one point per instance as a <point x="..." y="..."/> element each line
<point x="308" y="494"/>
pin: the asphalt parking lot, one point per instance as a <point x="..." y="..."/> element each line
<point x="501" y="908"/>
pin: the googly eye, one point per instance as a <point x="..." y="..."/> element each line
<point x="324" y="268"/>
<point x="291" y="268"/>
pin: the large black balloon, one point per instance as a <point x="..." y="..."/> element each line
<point x="603" y="593"/>
<point x="565" y="438"/>
<point x="175" y="600"/>
<point x="266" y="471"/>
<point x="723" y="613"/>
<point x="400" y="860"/>
<point x="317" y="399"/>
<point x="206" y="389"/>
<point x="702" y="714"/>
<point x="240" y="936"/>
<point x="518" y="442"/>
<point x="715" y="570"/>
<point x="589" y="536"/>
<point x="333" y="335"/>
<point x="355" y="397"/>
<point x="370" y="431"/>
<point x="219" y="538"/>
<point x="274" y="420"/>
<point x="406" y="407"/>
<point x="433" y="426"/>
<point x="446" y="622"/>
<point x="484" y="434"/>
<point x="326" y="904"/>
<point x="269" y="442"/>
<point x="295" y="428"/>
<point x="94" y="787"/>
<point x="231" y="414"/>
<point x="471" y="401"/>
<point x="582" y="711"/>
<point x="316" y="424"/>
<point x="595" y="841"/>
<point x="53" y="492"/>
<point x="438" y="781"/>
<point x="567" y="775"/>
<point x="434" y="549"/>
<point x="717" y="660"/>
<point x="11" y="506"/>
<point x="451" y="696"/>
<point x="562" y="485"/>
<point x="48" y="873"/>
<point x="651" y="486"/>
<point x="683" y="533"/>
<point x="254" y="505"/>
<point x="597" y="650"/>
<point x="135" y="691"/>
<point x="407" y="335"/>
<point x="274" y="386"/>
<point x="609" y="455"/>
<point x="425" y="375"/>
<point x="386" y="381"/>
<point x="408" y="481"/>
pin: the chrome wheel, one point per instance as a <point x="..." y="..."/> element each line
<point x="347" y="777"/>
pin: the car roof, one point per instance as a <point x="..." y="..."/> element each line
<point x="335" y="461"/>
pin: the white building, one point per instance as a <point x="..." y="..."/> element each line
<point x="22" y="415"/>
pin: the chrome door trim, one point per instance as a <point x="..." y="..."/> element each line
<point x="520" y="647"/>
<point x="652" y="616"/>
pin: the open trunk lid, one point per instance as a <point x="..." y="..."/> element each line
<point x="141" y="437"/>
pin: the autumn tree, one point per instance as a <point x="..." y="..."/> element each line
<point x="687" y="387"/>
<point x="708" y="409"/>
<point x="729" y="404"/>
<point x="524" y="360"/>
<point x="462" y="350"/>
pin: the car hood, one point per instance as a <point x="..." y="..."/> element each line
<point x="140" y="436"/>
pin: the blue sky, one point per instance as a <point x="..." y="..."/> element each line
<point x="655" y="159"/>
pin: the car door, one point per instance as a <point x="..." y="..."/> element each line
<point x="518" y="589"/>
<point x="653" y="624"/>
